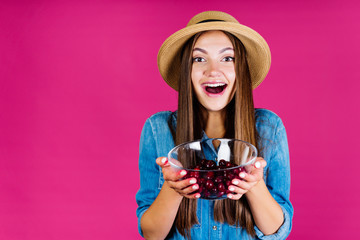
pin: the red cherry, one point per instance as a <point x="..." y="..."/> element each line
<point x="194" y="174"/>
<point x="209" y="175"/>
<point x="222" y="162"/>
<point x="209" y="184"/>
<point x="221" y="187"/>
<point x="220" y="194"/>
<point x="210" y="164"/>
<point x="201" y="181"/>
<point x="203" y="162"/>
<point x="219" y="179"/>
<point x="228" y="183"/>
<point x="230" y="176"/>
<point x="206" y="165"/>
<point x="228" y="164"/>
<point x="213" y="184"/>
<point x="205" y="193"/>
<point x="236" y="171"/>
<point x="226" y="173"/>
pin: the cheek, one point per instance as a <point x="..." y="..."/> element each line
<point x="231" y="75"/>
<point x="232" y="86"/>
<point x="195" y="79"/>
<point x="195" y="75"/>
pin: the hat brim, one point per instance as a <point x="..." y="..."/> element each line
<point x="257" y="50"/>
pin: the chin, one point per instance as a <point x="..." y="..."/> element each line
<point x="215" y="108"/>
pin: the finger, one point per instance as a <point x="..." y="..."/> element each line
<point x="254" y="177"/>
<point x="237" y="190"/>
<point x="188" y="190"/>
<point x="258" y="167"/>
<point x="181" y="186"/>
<point x="237" y="183"/>
<point x="193" y="196"/>
<point x="171" y="174"/>
<point x="234" y="196"/>
<point x="162" y="161"/>
<point x="259" y="163"/>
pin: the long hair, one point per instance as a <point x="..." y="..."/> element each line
<point x="239" y="124"/>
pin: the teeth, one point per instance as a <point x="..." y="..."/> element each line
<point x="214" y="84"/>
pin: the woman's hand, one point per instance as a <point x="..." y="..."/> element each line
<point x="186" y="187"/>
<point x="247" y="180"/>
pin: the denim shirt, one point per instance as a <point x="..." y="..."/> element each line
<point x="157" y="140"/>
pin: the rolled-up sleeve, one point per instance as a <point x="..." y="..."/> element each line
<point x="278" y="181"/>
<point x="149" y="172"/>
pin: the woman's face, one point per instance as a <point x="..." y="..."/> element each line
<point x="213" y="71"/>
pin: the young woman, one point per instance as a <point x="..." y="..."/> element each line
<point x="214" y="63"/>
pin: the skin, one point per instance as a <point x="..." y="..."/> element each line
<point x="212" y="62"/>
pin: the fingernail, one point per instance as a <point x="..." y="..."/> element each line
<point x="231" y="188"/>
<point x="192" y="181"/>
<point x="257" y="164"/>
<point x="183" y="172"/>
<point x="242" y="175"/>
<point x="163" y="160"/>
<point x="235" y="182"/>
<point x="195" y="187"/>
<point x="229" y="196"/>
<point x="197" y="195"/>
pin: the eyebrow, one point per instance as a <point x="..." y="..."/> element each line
<point x="221" y="51"/>
<point x="226" y="49"/>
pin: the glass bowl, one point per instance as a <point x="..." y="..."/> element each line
<point x="214" y="162"/>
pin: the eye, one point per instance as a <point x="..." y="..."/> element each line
<point x="228" y="59"/>
<point x="198" y="59"/>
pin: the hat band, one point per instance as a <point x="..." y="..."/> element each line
<point x="211" y="20"/>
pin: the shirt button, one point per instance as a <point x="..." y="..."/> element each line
<point x="214" y="227"/>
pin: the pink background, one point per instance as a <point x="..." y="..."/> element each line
<point x="78" y="80"/>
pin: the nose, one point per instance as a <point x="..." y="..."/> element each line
<point x="213" y="69"/>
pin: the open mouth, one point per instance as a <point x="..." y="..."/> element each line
<point x="214" y="88"/>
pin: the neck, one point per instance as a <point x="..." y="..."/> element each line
<point x="215" y="124"/>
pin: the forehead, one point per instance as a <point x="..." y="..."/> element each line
<point x="213" y="38"/>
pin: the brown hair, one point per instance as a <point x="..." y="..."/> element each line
<point x="239" y="124"/>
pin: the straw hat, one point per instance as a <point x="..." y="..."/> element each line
<point x="257" y="50"/>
